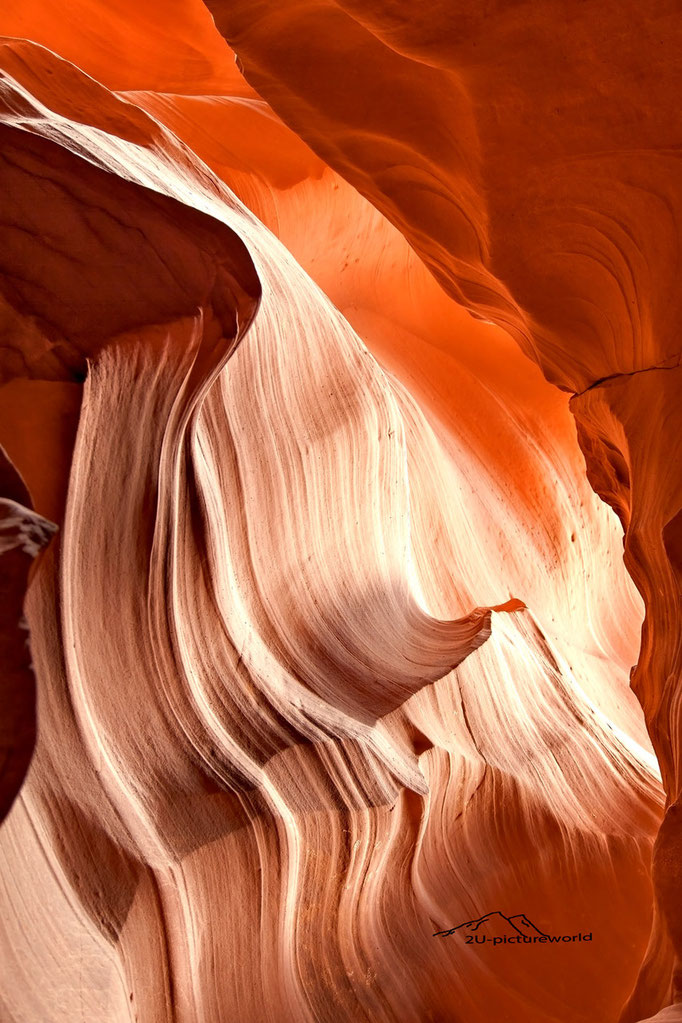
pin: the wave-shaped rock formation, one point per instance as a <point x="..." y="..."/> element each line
<point x="339" y="361"/>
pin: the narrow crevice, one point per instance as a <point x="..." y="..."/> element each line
<point x="635" y="372"/>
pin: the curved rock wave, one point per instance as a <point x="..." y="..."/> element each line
<point x="278" y="750"/>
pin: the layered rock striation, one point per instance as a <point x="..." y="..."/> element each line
<point x="333" y="643"/>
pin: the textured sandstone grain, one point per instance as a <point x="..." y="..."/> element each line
<point x="333" y="647"/>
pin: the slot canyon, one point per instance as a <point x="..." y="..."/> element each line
<point x="340" y="511"/>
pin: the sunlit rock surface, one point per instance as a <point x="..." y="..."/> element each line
<point x="333" y="645"/>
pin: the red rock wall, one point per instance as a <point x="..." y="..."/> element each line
<point x="333" y="646"/>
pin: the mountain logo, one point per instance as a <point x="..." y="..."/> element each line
<point x="498" y="929"/>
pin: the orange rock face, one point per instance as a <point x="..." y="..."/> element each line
<point x="344" y="358"/>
